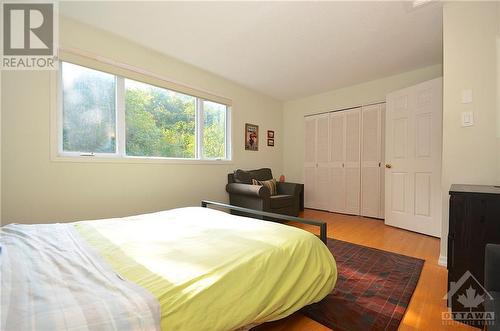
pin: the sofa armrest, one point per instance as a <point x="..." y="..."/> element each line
<point x="256" y="191"/>
<point x="288" y="188"/>
<point x="492" y="267"/>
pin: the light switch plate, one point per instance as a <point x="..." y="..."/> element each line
<point x="467" y="96"/>
<point x="467" y="118"/>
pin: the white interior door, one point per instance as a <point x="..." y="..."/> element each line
<point x="337" y="157"/>
<point x="413" y="158"/>
<point x="371" y="160"/>
<point x="309" y="162"/>
<point x="352" y="160"/>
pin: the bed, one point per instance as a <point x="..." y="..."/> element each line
<point x="182" y="269"/>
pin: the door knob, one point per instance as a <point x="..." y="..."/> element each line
<point x="388" y="166"/>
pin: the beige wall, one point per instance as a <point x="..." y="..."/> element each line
<point x="470" y="154"/>
<point x="369" y="92"/>
<point x="36" y="189"/>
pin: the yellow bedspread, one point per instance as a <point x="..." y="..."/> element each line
<point x="215" y="271"/>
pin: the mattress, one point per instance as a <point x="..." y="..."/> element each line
<point x="210" y="270"/>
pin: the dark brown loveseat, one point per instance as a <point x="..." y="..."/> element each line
<point x="242" y="193"/>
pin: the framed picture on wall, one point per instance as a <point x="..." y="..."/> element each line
<point x="251" y="137"/>
<point x="270" y="142"/>
<point x="270" y="134"/>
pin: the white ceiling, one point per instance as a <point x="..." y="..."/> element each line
<point x="284" y="49"/>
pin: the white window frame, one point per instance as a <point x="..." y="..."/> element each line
<point x="200" y="112"/>
<point x="120" y="141"/>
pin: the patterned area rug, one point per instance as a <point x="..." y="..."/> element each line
<point x="373" y="289"/>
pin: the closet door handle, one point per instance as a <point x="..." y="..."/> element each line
<point x="388" y="166"/>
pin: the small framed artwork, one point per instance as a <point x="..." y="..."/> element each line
<point x="251" y="137"/>
<point x="270" y="134"/>
<point x="270" y="142"/>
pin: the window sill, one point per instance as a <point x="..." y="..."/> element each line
<point x="135" y="159"/>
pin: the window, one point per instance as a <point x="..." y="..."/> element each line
<point x="154" y="121"/>
<point x="214" y="130"/>
<point x="159" y="122"/>
<point x="89" y="118"/>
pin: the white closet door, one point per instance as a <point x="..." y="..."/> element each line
<point x="337" y="157"/>
<point x="343" y="156"/>
<point x="322" y="188"/>
<point x="371" y="152"/>
<point x="352" y="161"/>
<point x="310" y="162"/>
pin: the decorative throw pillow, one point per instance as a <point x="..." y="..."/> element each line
<point x="270" y="184"/>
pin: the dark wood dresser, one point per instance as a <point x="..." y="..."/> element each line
<point x="474" y="222"/>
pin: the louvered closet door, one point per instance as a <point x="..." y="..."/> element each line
<point x="316" y="162"/>
<point x="322" y="188"/>
<point x="371" y="160"/>
<point x="337" y="156"/>
<point x="352" y="161"/>
<point x="310" y="162"/>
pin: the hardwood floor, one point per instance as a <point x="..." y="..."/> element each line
<point x="426" y="305"/>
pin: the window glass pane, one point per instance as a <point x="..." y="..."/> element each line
<point x="159" y="122"/>
<point x="214" y="130"/>
<point x="89" y="114"/>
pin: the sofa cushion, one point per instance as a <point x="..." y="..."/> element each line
<point x="270" y="184"/>
<point x="246" y="176"/>
<point x="242" y="176"/>
<point x="261" y="174"/>
<point x="281" y="201"/>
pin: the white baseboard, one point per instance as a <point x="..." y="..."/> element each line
<point x="443" y="261"/>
